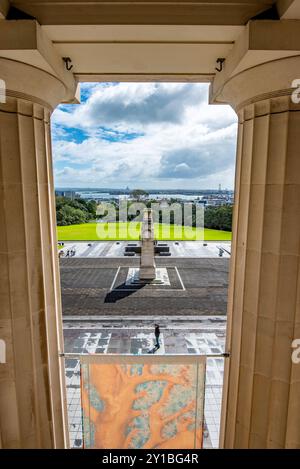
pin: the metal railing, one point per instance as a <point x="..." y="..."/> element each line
<point x="76" y="389"/>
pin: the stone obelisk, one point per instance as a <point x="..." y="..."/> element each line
<point x="147" y="262"/>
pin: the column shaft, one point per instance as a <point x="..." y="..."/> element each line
<point x="31" y="382"/>
<point x="261" y="406"/>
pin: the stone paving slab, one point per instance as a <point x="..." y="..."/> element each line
<point x="87" y="282"/>
<point x="86" y="277"/>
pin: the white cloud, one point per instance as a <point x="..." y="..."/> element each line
<point x="145" y="135"/>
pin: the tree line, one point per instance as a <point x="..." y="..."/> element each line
<point x="74" y="212"/>
<point x="218" y="218"/>
<point x="77" y="211"/>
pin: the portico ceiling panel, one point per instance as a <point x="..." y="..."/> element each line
<point x="93" y="59"/>
<point x="230" y="12"/>
<point x="179" y="49"/>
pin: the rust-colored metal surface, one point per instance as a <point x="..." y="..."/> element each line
<point x="143" y="405"/>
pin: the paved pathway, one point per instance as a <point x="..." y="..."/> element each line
<point x="177" y="248"/>
<point x="188" y="335"/>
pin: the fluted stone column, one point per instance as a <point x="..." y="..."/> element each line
<point x="261" y="402"/>
<point x="32" y="392"/>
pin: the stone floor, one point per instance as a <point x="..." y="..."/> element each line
<point x="96" y="286"/>
<point x="134" y="335"/>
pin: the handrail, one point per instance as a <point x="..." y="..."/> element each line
<point x="208" y="355"/>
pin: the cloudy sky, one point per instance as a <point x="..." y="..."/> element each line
<point x="144" y="135"/>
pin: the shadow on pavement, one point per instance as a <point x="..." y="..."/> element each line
<point x="121" y="292"/>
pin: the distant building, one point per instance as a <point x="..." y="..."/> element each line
<point x="217" y="200"/>
<point x="68" y="194"/>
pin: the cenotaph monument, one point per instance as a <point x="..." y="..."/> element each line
<point x="147" y="260"/>
<point x="147" y="272"/>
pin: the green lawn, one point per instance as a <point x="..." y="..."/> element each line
<point x="131" y="231"/>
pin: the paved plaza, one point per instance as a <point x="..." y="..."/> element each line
<point x="179" y="335"/>
<point x="177" y="248"/>
<point x="105" y="313"/>
<point x="97" y="286"/>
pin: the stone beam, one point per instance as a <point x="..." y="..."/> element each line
<point x="201" y="12"/>
<point x="288" y="9"/>
<point x="260" y="42"/>
<point x="4" y="7"/>
<point x="25" y="41"/>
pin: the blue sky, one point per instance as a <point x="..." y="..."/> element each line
<point x="145" y="135"/>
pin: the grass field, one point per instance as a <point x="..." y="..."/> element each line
<point x="131" y="231"/>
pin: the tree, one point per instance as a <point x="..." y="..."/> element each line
<point x="218" y="218"/>
<point x="72" y="212"/>
<point x="138" y="193"/>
